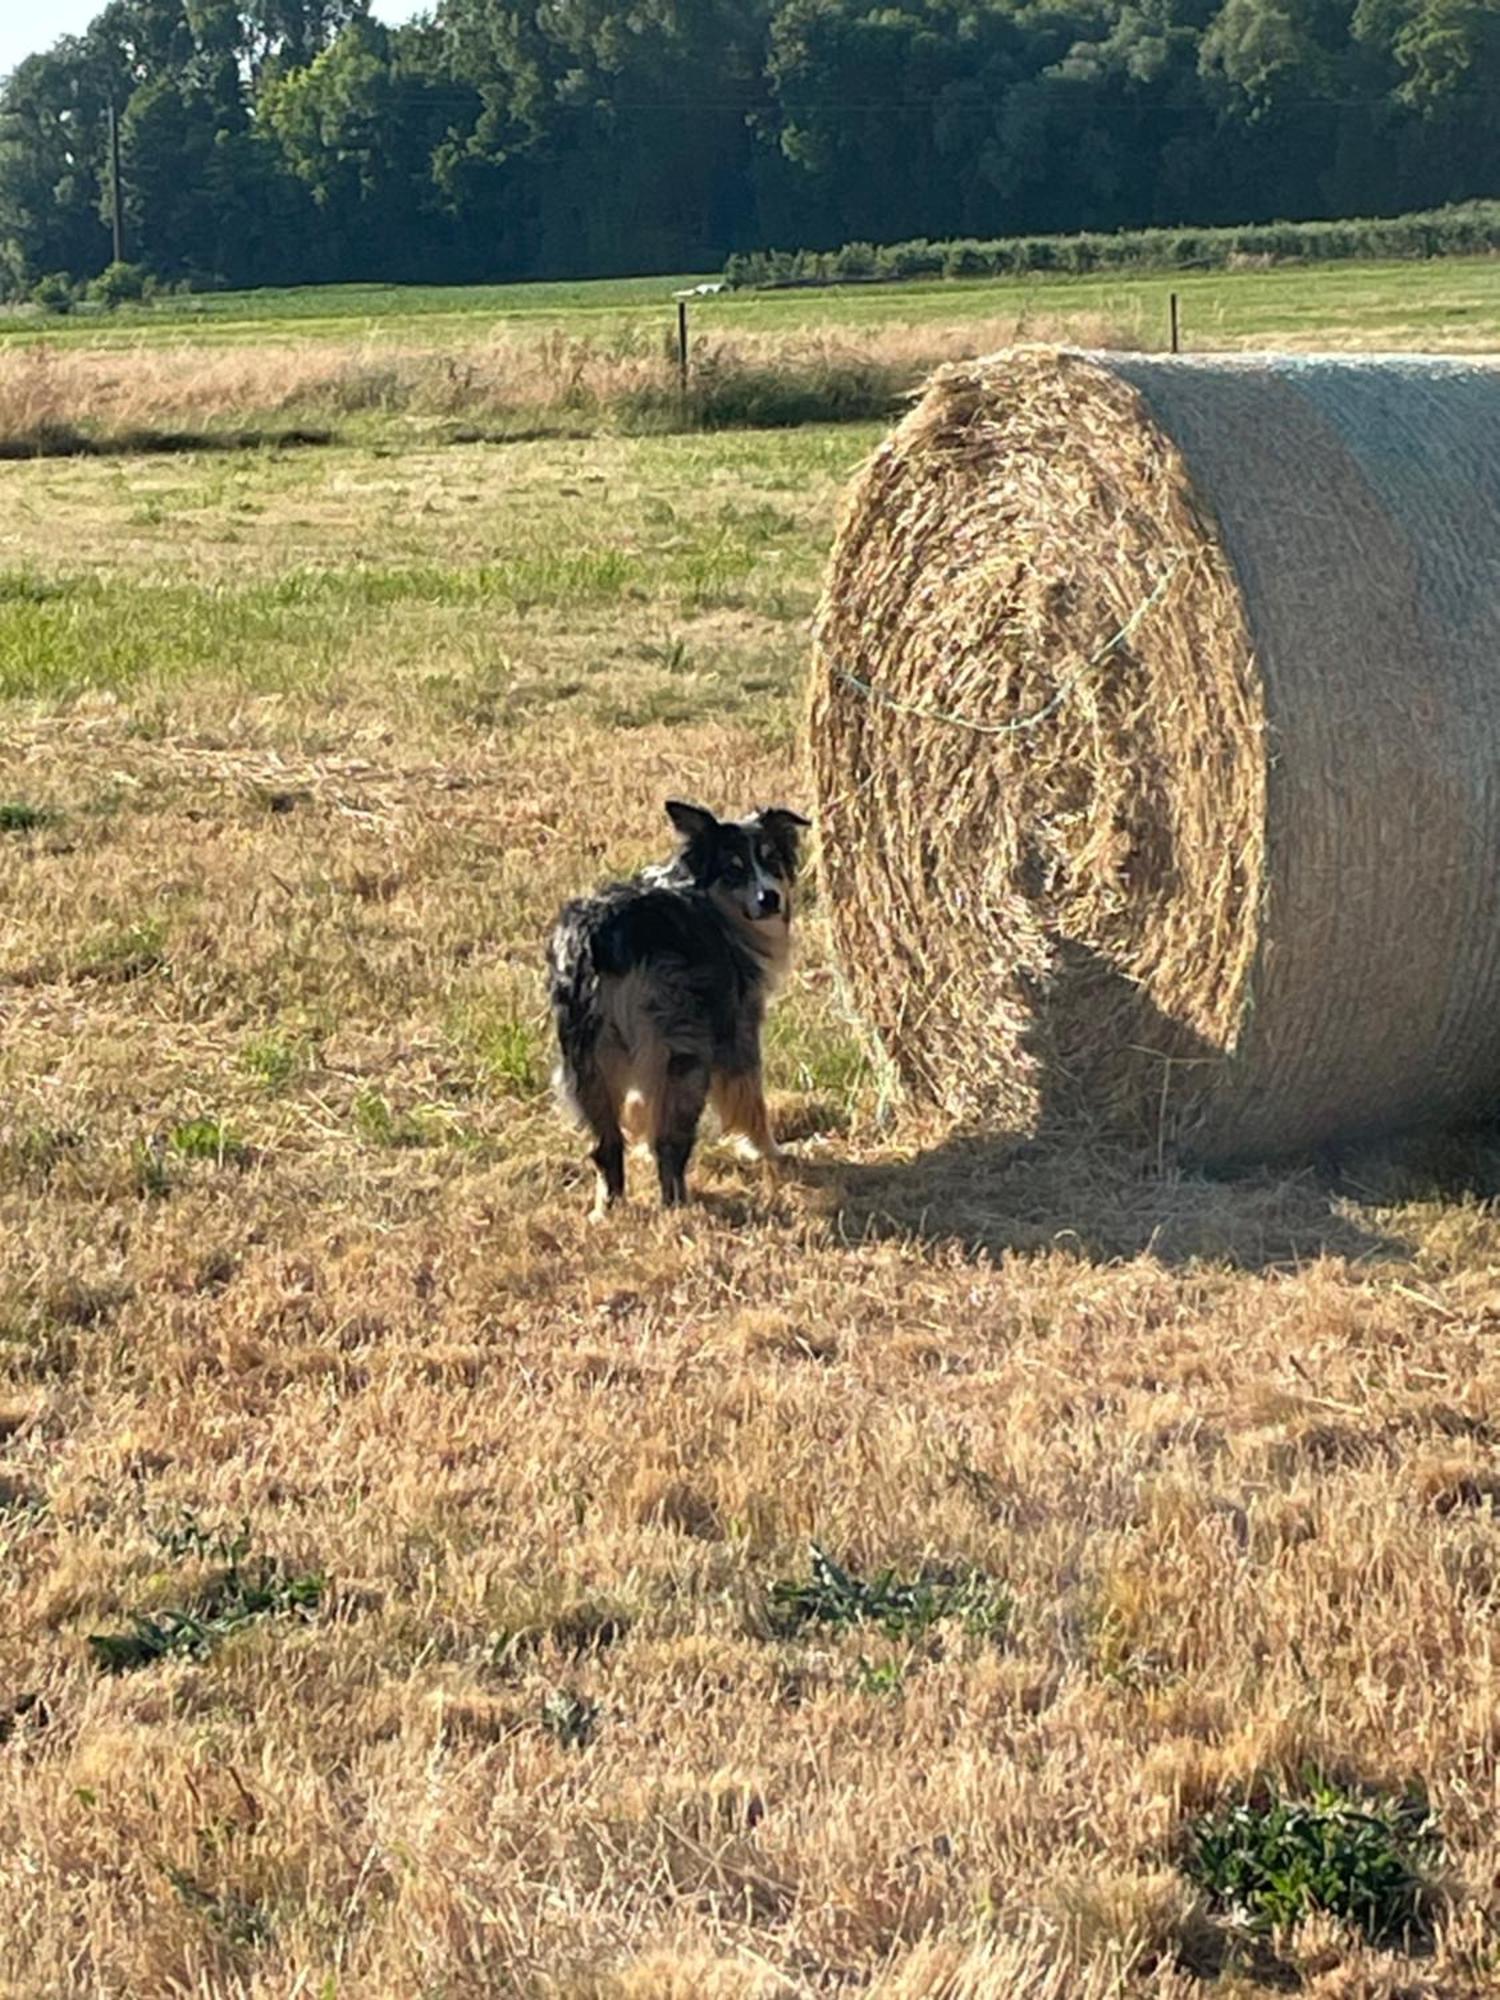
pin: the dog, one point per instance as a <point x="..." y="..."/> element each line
<point x="659" y="988"/>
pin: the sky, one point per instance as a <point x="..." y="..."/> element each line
<point x="29" y="25"/>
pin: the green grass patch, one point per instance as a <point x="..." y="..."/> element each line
<point x="1343" y="301"/>
<point x="901" y="1609"/>
<point x="816" y="1053"/>
<point x="208" y="1139"/>
<point x="22" y="587"/>
<point x="94" y="633"/>
<point x="295" y="630"/>
<point x="1276" y="1860"/>
<point x="883" y="1680"/>
<point x="1219" y="305"/>
<point x="235" y="1594"/>
<point x="119" y="953"/>
<point x="521" y="582"/>
<point x="274" y="1059"/>
<point x="18" y="817"/>
<point x="352" y="310"/>
<point x="510" y="1048"/>
<point x="378" y="1123"/>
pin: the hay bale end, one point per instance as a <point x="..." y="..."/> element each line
<point x="1156" y="745"/>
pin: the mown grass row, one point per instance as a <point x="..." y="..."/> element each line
<point x="62" y="636"/>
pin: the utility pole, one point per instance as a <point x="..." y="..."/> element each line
<point x="116" y="207"/>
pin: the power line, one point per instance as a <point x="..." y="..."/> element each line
<point x="472" y="97"/>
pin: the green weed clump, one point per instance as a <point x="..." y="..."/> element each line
<point x="233" y="1596"/>
<point x="208" y="1139"/>
<point x="275" y="1060"/>
<point x="901" y="1609"/>
<point x="18" y="817"/>
<point x="379" y="1124"/>
<point x="1277" y="1860"/>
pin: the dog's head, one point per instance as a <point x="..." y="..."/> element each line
<point x="747" y="865"/>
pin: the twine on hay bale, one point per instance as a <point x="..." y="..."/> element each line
<point x="1156" y="744"/>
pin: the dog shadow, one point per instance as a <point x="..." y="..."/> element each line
<point x="996" y="1193"/>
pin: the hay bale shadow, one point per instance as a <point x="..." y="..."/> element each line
<point x="993" y="1195"/>
<point x="1103" y="1198"/>
<point x="1444" y="1164"/>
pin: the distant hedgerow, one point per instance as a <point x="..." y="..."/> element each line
<point x="1464" y="229"/>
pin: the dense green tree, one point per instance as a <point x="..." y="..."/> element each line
<point x="52" y="166"/>
<point x="589" y="126"/>
<point x="358" y="127"/>
<point x="288" y="34"/>
<point x="899" y="115"/>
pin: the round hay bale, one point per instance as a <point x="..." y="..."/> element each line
<point x="1156" y="743"/>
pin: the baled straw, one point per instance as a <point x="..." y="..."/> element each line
<point x="1156" y="741"/>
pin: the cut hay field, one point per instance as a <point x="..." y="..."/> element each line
<point x="407" y="1590"/>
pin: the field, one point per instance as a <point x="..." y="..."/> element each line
<point x="368" y="363"/>
<point x="1453" y="302"/>
<point x="411" y="1591"/>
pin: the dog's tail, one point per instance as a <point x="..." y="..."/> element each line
<point x="576" y="1009"/>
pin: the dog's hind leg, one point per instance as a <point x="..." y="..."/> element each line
<point x="740" y="1101"/>
<point x="679" y="1106"/>
<point x="599" y="1107"/>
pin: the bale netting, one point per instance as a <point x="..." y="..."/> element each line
<point x="1156" y="740"/>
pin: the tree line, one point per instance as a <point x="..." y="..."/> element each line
<point x="298" y="141"/>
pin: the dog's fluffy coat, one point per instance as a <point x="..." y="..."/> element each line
<point x="659" y="987"/>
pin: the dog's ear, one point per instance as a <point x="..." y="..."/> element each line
<point x="783" y="830"/>
<point x="692" y="822"/>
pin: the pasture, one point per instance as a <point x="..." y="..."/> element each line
<point x="1452" y="302"/>
<point x="371" y="364"/>
<point x="410" y="1590"/>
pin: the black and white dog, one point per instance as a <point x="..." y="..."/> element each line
<point x="659" y="989"/>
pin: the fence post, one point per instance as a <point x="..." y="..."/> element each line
<point x="1174" y="326"/>
<point x="682" y="347"/>
<point x="117" y="207"/>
